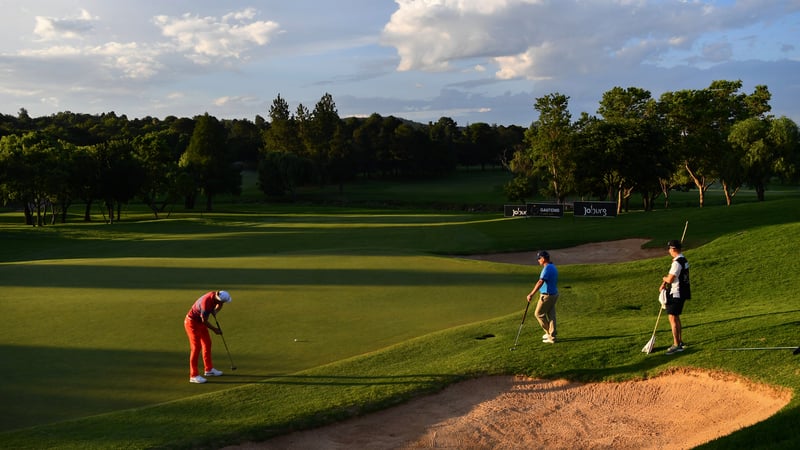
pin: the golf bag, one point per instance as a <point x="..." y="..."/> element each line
<point x="684" y="285"/>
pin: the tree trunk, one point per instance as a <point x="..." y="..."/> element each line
<point x="64" y="208"/>
<point x="700" y="183"/>
<point x="87" y="213"/>
<point x="727" y="191"/>
<point x="760" y="190"/>
<point x="665" y="188"/>
<point x="39" y="218"/>
<point x="28" y="215"/>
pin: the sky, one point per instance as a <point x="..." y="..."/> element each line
<point x="469" y="60"/>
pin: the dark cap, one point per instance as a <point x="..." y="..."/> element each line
<point x="674" y="244"/>
<point x="543" y="254"/>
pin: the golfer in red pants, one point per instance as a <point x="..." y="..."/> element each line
<point x="197" y="325"/>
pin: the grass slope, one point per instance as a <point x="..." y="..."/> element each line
<point x="94" y="316"/>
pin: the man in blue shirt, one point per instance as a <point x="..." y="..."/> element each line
<point x="547" y="285"/>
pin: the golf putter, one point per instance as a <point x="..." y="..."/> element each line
<point x="222" y="335"/>
<point x="520" y="326"/>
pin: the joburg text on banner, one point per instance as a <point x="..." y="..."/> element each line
<point x="594" y="209"/>
<point x="515" y="211"/>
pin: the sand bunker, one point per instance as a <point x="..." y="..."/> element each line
<point x="594" y="253"/>
<point x="679" y="410"/>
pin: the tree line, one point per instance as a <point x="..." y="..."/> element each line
<point x="635" y="144"/>
<point x="49" y="163"/>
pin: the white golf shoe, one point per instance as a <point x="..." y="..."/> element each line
<point x="197" y="379"/>
<point x="213" y="373"/>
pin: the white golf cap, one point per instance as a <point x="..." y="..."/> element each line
<point x="224" y="297"/>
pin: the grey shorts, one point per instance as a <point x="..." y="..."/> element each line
<point x="675" y="306"/>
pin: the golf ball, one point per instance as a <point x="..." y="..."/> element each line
<point x="295" y="339"/>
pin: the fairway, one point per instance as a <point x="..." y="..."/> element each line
<point x="340" y="311"/>
<point x="115" y="325"/>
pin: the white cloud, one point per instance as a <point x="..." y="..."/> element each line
<point x="51" y="28"/>
<point x="117" y="60"/>
<point x="540" y="40"/>
<point x="525" y="64"/>
<point x="201" y="40"/>
<point x="19" y="92"/>
<point x="50" y="52"/>
<point x="233" y="100"/>
<point x="131" y="60"/>
<point x="206" y="39"/>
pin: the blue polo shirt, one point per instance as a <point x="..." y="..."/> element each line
<point x="550" y="277"/>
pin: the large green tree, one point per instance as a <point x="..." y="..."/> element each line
<point x="322" y="126"/>
<point x="282" y="166"/>
<point x="243" y="141"/>
<point x="691" y="136"/>
<point x="121" y="175"/>
<point x="632" y="144"/>
<point x="24" y="173"/>
<point x="550" y="151"/>
<point x="367" y="142"/>
<point x="444" y="137"/>
<point x="42" y="174"/>
<point x="209" y="160"/>
<point x="85" y="177"/>
<point x="280" y="173"/>
<point x="699" y="122"/>
<point x="282" y="133"/>
<point x="482" y="146"/>
<point x="342" y="166"/>
<point x="732" y="107"/>
<point x="766" y="148"/>
<point x="159" y="161"/>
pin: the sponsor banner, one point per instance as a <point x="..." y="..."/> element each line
<point x="545" y="210"/>
<point x="594" y="209"/>
<point x="515" y="210"/>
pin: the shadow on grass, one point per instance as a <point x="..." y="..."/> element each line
<point x="54" y="384"/>
<point x="335" y="380"/>
<point x="734" y="332"/>
<point x="647" y="364"/>
<point x="50" y="384"/>
<point x="133" y="277"/>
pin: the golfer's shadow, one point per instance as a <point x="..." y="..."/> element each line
<point x="656" y="348"/>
